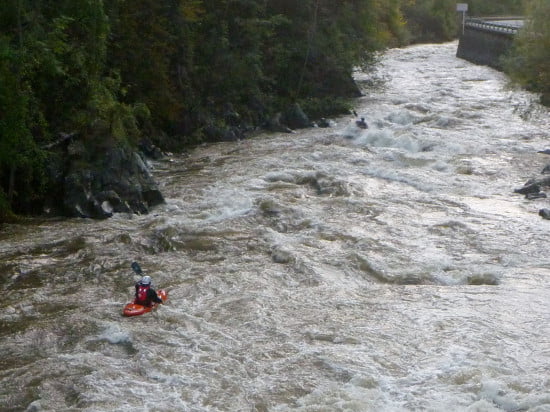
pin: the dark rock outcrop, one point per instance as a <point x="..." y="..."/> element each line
<point x="295" y="118"/>
<point x="292" y="118"/>
<point x="532" y="196"/>
<point x="532" y="190"/>
<point x="117" y="181"/>
<point x="529" y="187"/>
<point x="150" y="150"/>
<point x="323" y="122"/>
<point x="275" y="124"/>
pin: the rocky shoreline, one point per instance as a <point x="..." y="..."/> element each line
<point x="113" y="180"/>
<point x="120" y="181"/>
<point x="96" y="182"/>
<point x="535" y="188"/>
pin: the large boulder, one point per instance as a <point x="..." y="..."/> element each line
<point x="275" y="124"/>
<point x="295" y="118"/>
<point x="545" y="213"/>
<point x="119" y="182"/>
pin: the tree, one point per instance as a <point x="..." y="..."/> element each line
<point x="21" y="161"/>
<point x="319" y="40"/>
<point x="484" y="8"/>
<point x="431" y="20"/>
<point x="151" y="47"/>
<point x="529" y="62"/>
<point x="53" y="79"/>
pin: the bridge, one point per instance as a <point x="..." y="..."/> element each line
<point x="485" y="40"/>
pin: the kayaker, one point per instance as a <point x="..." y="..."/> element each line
<point x="362" y="124"/>
<point x="145" y="294"/>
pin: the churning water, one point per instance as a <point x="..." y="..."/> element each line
<point x="339" y="269"/>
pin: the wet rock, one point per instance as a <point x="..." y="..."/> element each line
<point x="275" y="124"/>
<point x="34" y="407"/>
<point x="150" y="150"/>
<point x="76" y="149"/>
<point x="337" y="82"/>
<point x="532" y="188"/>
<point x="111" y="199"/>
<point x="119" y="182"/>
<point x="223" y="134"/>
<point x="528" y="188"/>
<point x="269" y="208"/>
<point x="546" y="169"/>
<point x="229" y="135"/>
<point x="212" y="133"/>
<point x="152" y="196"/>
<point x="544" y="213"/>
<point x="479" y="279"/>
<point x="281" y="256"/>
<point x="532" y="196"/>
<point x="295" y="118"/>
<point x="231" y="116"/>
<point x="78" y="200"/>
<point x="323" y="123"/>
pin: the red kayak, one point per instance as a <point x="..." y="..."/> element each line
<point x="133" y="309"/>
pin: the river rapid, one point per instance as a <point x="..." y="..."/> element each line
<point x="334" y="269"/>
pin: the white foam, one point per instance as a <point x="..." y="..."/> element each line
<point x="225" y="204"/>
<point x="446" y="122"/>
<point x="352" y="397"/>
<point x="115" y="334"/>
<point x="396" y="176"/>
<point x="494" y="392"/>
<point x="280" y="176"/>
<point x="402" y="117"/>
<point x="387" y="138"/>
<point x="440" y="166"/>
<point x="351" y="131"/>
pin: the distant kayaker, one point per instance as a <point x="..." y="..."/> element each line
<point x="145" y="294"/>
<point x="362" y="124"/>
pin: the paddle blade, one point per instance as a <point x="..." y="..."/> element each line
<point x="136" y="268"/>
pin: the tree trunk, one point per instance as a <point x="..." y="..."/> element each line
<point x="19" y="24"/>
<point x="11" y="185"/>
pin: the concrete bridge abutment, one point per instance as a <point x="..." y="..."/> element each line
<point x="484" y="42"/>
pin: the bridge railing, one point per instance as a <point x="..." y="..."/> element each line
<point x="482" y="24"/>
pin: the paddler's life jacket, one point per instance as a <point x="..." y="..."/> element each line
<point x="141" y="295"/>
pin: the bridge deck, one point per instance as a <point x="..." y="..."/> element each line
<point x="509" y="25"/>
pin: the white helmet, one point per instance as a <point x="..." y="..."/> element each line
<point x="145" y="280"/>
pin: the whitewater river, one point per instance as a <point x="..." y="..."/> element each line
<point x="334" y="269"/>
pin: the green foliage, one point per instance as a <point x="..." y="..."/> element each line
<point x="431" y="20"/>
<point x="53" y="79"/>
<point x="529" y="62"/>
<point x="5" y="210"/>
<point x="21" y="161"/>
<point x="317" y="41"/>
<point x="485" y="8"/>
<point x="228" y="64"/>
<point x="438" y="21"/>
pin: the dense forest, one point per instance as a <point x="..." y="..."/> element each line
<point x="175" y="73"/>
<point x="436" y="20"/>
